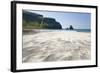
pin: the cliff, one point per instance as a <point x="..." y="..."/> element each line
<point x="37" y="21"/>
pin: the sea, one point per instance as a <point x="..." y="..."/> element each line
<point x="77" y="30"/>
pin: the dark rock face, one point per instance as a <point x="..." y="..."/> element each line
<point x="50" y="23"/>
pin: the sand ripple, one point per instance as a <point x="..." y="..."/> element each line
<point x="56" y="46"/>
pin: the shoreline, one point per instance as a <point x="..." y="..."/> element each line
<point x="33" y="31"/>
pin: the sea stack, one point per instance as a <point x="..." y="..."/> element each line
<point x="71" y="27"/>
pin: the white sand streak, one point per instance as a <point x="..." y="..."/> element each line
<point x="56" y="46"/>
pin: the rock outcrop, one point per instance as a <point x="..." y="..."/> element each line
<point x="52" y="23"/>
<point x="34" y="20"/>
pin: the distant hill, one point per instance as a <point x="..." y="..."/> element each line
<point x="33" y="20"/>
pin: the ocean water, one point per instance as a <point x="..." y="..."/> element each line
<point x="76" y="30"/>
<point x="83" y="30"/>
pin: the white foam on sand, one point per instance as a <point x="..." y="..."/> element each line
<point x="56" y="46"/>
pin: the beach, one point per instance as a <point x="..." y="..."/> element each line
<point x="56" y="46"/>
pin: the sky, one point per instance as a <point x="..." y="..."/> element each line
<point x="76" y="19"/>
